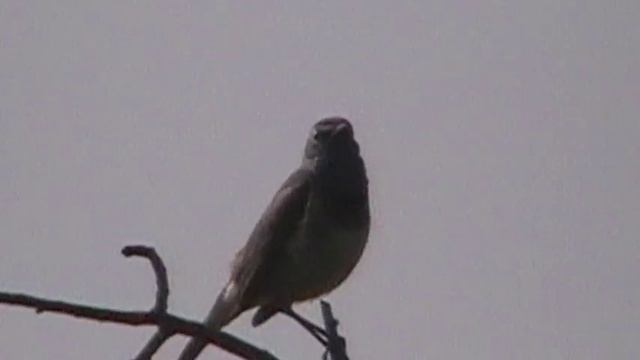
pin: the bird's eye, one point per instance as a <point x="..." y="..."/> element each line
<point x="320" y="135"/>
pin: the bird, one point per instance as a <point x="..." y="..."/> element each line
<point x="309" y="238"/>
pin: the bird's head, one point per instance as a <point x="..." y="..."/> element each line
<point x="331" y="137"/>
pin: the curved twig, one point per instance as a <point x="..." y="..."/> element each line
<point x="168" y="324"/>
<point x="162" y="282"/>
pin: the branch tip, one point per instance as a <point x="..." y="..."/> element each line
<point x="162" y="283"/>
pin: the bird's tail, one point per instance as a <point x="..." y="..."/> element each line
<point x="225" y="309"/>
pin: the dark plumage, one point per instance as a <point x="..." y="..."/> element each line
<point x="309" y="238"/>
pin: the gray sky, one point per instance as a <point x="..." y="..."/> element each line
<point x="501" y="141"/>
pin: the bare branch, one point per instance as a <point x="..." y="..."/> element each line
<point x="153" y="345"/>
<point x="168" y="324"/>
<point x="162" y="283"/>
<point x="337" y="347"/>
<point x="162" y="297"/>
<point x="40" y="305"/>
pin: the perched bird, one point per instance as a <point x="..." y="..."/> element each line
<point x="309" y="238"/>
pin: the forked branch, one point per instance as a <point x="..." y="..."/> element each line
<point x="168" y="324"/>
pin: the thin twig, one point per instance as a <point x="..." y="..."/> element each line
<point x="162" y="298"/>
<point x="157" y="316"/>
<point x="162" y="282"/>
<point x="337" y="347"/>
<point x="153" y="345"/>
<point x="168" y="324"/>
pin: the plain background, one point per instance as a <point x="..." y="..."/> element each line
<point x="501" y="138"/>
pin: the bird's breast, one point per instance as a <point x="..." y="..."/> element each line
<point x="324" y="252"/>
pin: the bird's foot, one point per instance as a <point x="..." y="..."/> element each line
<point x="316" y="331"/>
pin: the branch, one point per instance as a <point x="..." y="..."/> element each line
<point x="168" y="324"/>
<point x="162" y="283"/>
<point x="337" y="345"/>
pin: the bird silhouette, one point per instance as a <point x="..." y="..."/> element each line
<point x="309" y="238"/>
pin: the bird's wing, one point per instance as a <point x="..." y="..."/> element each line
<point x="266" y="245"/>
<point x="265" y="248"/>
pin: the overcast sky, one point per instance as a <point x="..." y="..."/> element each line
<point x="501" y="138"/>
